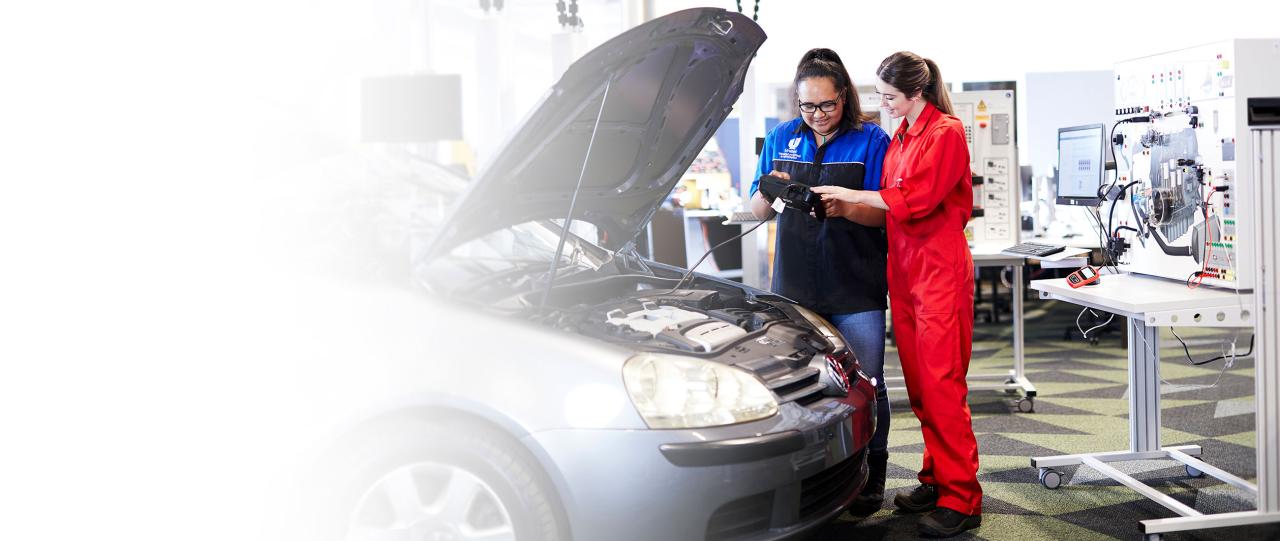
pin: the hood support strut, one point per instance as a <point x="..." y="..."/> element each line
<point x="573" y="202"/>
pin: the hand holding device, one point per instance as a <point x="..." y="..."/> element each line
<point x="794" y="195"/>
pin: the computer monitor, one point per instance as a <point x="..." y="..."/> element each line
<point x="1081" y="164"/>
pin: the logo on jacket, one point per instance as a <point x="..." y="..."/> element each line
<point x="790" y="153"/>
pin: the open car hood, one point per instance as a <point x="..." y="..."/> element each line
<point x="666" y="86"/>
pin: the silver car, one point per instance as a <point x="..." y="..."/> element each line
<point x="571" y="389"/>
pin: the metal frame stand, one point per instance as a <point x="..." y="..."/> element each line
<point x="1150" y="303"/>
<point x="1015" y="379"/>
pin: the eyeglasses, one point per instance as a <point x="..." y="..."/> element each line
<point x="828" y="106"/>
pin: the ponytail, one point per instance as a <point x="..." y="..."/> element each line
<point x="941" y="97"/>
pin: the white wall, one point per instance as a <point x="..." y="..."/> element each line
<point x="1058" y="100"/>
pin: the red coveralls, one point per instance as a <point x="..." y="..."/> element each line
<point x="928" y="190"/>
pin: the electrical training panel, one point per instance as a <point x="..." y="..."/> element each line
<point x="988" y="119"/>
<point x="1178" y="203"/>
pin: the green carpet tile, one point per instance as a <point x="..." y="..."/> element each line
<point x="1082" y="406"/>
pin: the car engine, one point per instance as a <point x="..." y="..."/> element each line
<point x="693" y="321"/>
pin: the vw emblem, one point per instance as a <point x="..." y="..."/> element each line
<point x="838" y="375"/>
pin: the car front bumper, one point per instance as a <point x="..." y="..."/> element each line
<point x="740" y="482"/>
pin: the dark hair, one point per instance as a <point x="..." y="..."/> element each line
<point x="916" y="75"/>
<point x="826" y="63"/>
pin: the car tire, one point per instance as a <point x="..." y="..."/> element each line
<point x="441" y="480"/>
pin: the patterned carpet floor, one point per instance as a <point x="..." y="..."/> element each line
<point x="1082" y="406"/>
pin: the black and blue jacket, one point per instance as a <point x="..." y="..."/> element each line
<point x="833" y="266"/>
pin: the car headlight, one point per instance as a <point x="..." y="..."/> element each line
<point x="825" y="327"/>
<point x="685" y="392"/>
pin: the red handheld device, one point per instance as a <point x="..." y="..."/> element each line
<point x="1083" y="277"/>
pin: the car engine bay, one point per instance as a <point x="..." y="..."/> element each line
<point x="703" y="319"/>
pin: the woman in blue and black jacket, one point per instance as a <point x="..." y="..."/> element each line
<point x="835" y="267"/>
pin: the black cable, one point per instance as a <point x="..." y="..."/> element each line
<point x="1101" y="232"/>
<point x="1194" y="274"/>
<point x="713" y="249"/>
<point x="1112" y="213"/>
<point x="1109" y="230"/>
<point x="1207" y="361"/>
<point x="709" y="252"/>
<point x="1112" y="142"/>
<point x="1184" y="345"/>
<point x="1102" y="243"/>
<point x="1221" y="357"/>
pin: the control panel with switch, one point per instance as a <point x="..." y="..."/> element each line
<point x="988" y="119"/>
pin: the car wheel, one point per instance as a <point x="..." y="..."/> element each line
<point x="446" y="482"/>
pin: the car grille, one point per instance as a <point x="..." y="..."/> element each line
<point x="747" y="517"/>
<point x="740" y="518"/>
<point x="803" y="385"/>
<point x="833" y="484"/>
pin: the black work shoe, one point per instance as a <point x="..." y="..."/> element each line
<point x="944" y="522"/>
<point x="923" y="498"/>
<point x="872" y="496"/>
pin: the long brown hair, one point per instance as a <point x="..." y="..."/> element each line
<point x="823" y="62"/>
<point x="914" y="74"/>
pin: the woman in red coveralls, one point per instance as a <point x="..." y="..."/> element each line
<point x="928" y="196"/>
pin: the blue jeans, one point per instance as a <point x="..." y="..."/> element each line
<point x="864" y="332"/>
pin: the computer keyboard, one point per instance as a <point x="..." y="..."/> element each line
<point x="1034" y="249"/>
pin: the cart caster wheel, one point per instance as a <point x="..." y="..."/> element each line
<point x="1192" y="472"/>
<point x="1051" y="479"/>
<point x="1152" y="537"/>
<point x="1027" y="405"/>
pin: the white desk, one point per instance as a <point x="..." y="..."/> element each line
<point x="1150" y="303"/>
<point x="1015" y="379"/>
